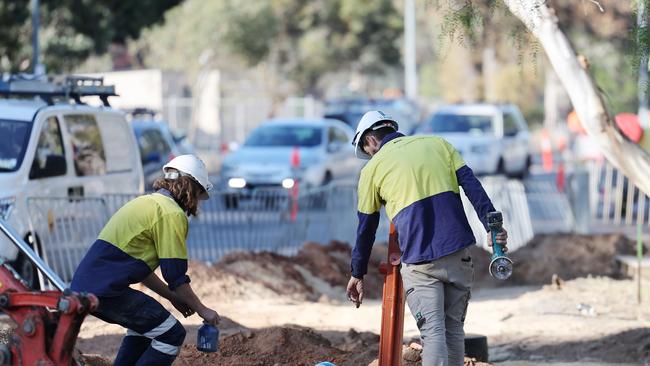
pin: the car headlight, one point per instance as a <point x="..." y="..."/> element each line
<point x="6" y="205"/>
<point x="288" y="183"/>
<point x="236" y="182"/>
<point x="480" y="149"/>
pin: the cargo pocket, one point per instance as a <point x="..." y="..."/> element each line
<point x="467" y="268"/>
<point x="415" y="307"/>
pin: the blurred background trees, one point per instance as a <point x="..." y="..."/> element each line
<point x="468" y="50"/>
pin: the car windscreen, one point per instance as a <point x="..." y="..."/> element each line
<point x="14" y="136"/>
<point x="303" y="136"/>
<point x="448" y="122"/>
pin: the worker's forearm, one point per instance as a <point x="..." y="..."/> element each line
<point x="186" y="293"/>
<point x="155" y="284"/>
<point x="365" y="239"/>
<point x="475" y="192"/>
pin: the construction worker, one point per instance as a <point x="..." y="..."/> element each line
<point x="146" y="233"/>
<point x="417" y="178"/>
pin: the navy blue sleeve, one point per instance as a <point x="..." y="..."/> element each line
<point x="365" y="239"/>
<point x="174" y="272"/>
<point x="475" y="192"/>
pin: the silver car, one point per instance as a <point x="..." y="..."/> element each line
<point x="283" y="152"/>
<point x="492" y="138"/>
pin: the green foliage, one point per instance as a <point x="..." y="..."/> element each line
<point x="74" y="29"/>
<point x="304" y="40"/>
<point x="640" y="34"/>
<point x="13" y="15"/>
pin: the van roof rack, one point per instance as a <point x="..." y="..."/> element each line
<point x="48" y="88"/>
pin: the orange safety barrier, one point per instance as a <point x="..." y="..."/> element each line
<point x="392" y="308"/>
<point x="547" y="151"/>
<point x="295" y="164"/>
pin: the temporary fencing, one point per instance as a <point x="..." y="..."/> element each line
<point x="65" y="228"/>
<point x="614" y="199"/>
<point x="550" y="209"/>
<point x="509" y="197"/>
<point x="262" y="220"/>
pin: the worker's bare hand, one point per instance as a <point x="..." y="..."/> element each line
<point x="502" y="239"/>
<point x="182" y="307"/>
<point x="209" y="316"/>
<point x="355" y="291"/>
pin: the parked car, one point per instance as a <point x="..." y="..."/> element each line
<point x="63" y="149"/>
<point x="157" y="147"/>
<point x="492" y="138"/>
<point x="350" y="111"/>
<point x="265" y="158"/>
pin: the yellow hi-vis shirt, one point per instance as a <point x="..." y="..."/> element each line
<point x="417" y="178"/>
<point x="148" y="231"/>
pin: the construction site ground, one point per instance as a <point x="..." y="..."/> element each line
<point x="292" y="310"/>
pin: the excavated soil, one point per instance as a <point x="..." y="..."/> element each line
<point x="317" y="273"/>
<point x="288" y="345"/>
<point x="296" y="346"/>
<point x="320" y="273"/>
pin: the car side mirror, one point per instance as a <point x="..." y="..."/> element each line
<point x="55" y="165"/>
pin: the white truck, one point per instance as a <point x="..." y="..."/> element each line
<point x="52" y="145"/>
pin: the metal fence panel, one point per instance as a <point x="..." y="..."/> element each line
<point x="550" y="209"/>
<point x="65" y="229"/>
<point x="275" y="220"/>
<point x="509" y="197"/>
<point x="614" y="199"/>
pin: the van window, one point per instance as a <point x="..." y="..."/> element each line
<point x="14" y="138"/>
<point x="49" y="143"/>
<point x="87" y="146"/>
<point x="510" y="127"/>
<point x="118" y="143"/>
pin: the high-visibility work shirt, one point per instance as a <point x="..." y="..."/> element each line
<point x="417" y="178"/>
<point x="146" y="232"/>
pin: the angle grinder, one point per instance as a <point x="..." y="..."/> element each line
<point x="500" y="264"/>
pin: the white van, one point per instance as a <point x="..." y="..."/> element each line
<point x="60" y="150"/>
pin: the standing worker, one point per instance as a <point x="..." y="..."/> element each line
<point x="417" y="178"/>
<point x="148" y="232"/>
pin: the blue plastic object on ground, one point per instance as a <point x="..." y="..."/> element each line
<point x="208" y="338"/>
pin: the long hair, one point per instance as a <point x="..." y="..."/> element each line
<point x="184" y="190"/>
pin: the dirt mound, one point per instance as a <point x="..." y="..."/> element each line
<point x="317" y="272"/>
<point x="93" y="360"/>
<point x="567" y="255"/>
<point x="631" y="346"/>
<point x="271" y="346"/>
<point x="295" y="345"/>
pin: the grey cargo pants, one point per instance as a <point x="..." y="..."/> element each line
<point x="437" y="293"/>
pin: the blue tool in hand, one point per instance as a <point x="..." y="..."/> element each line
<point x="500" y="265"/>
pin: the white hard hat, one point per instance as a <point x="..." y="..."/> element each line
<point x="192" y="166"/>
<point x="372" y="120"/>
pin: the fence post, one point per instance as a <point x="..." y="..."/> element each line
<point x="580" y="200"/>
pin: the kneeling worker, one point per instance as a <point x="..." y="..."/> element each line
<point x="148" y="232"/>
<point x="418" y="179"/>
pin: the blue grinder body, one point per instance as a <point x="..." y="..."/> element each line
<point x="500" y="264"/>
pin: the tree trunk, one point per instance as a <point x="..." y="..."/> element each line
<point x="573" y="72"/>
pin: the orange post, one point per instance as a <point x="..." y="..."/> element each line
<point x="392" y="308"/>
<point x="295" y="164"/>
<point x="547" y="151"/>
